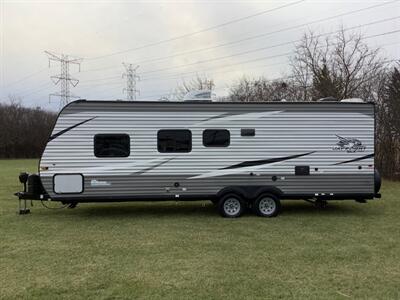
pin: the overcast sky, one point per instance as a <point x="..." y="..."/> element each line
<point x="106" y="33"/>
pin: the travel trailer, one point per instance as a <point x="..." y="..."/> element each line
<point x="238" y="155"/>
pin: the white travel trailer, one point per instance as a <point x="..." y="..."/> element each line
<point x="237" y="155"/>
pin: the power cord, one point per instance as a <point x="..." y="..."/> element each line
<point x="48" y="207"/>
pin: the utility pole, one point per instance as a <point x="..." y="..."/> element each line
<point x="64" y="77"/>
<point x="131" y="79"/>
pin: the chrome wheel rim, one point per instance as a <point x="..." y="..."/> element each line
<point x="232" y="206"/>
<point x="267" y="206"/>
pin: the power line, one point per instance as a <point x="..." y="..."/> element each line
<point x="197" y="72"/>
<point x="41" y="88"/>
<point x="26" y="77"/>
<point x="293" y="27"/>
<point x="175" y="76"/>
<point x="64" y="77"/>
<point x="267" y="47"/>
<point x="178" y="54"/>
<point x="199" y="31"/>
<point x="163" y="93"/>
<point x="257" y="59"/>
<point x="220" y="45"/>
<point x="170" y="92"/>
<point x="265" y="34"/>
<point x="245" y="39"/>
<point x="100" y="79"/>
<point x="179" y="75"/>
<point x="108" y="87"/>
<point x="263" y="66"/>
<point x="85" y="86"/>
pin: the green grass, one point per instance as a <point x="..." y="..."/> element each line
<point x="185" y="250"/>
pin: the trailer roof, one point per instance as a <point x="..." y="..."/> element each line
<point x="225" y="102"/>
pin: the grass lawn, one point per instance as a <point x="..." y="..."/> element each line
<point x="186" y="250"/>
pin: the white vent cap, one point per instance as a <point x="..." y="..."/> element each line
<point x="201" y="95"/>
<point x="353" y="100"/>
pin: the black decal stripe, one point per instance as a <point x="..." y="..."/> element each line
<point x="68" y="129"/>
<point x="215" y="117"/>
<point x="265" y="161"/>
<point x="355" y="159"/>
<point x="153" y="167"/>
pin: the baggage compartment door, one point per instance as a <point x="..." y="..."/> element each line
<point x="68" y="183"/>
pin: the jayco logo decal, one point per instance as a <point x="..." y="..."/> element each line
<point x="95" y="182"/>
<point x="348" y="145"/>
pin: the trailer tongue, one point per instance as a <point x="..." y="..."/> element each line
<point x="33" y="190"/>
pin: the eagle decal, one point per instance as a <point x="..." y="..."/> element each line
<point x="348" y="145"/>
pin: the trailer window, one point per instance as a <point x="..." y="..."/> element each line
<point x="112" y="145"/>
<point x="169" y="140"/>
<point x="216" y="138"/>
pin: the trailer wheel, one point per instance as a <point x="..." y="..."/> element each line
<point x="267" y="205"/>
<point x="231" y="206"/>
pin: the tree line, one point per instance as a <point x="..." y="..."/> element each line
<point x="23" y="131"/>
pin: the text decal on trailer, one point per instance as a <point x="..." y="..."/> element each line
<point x="348" y="145"/>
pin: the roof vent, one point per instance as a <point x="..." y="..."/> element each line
<point x="327" y="99"/>
<point x="353" y="100"/>
<point x="199" y="95"/>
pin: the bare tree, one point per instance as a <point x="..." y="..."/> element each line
<point x="387" y="151"/>
<point x="263" y="90"/>
<point x="340" y="65"/>
<point x="242" y="91"/>
<point x="392" y="94"/>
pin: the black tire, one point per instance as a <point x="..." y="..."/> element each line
<point x="267" y="205"/>
<point x="231" y="206"/>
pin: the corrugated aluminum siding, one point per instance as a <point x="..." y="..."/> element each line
<point x="282" y="130"/>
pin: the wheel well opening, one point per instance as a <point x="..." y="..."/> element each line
<point x="250" y="193"/>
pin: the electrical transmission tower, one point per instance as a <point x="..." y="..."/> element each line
<point x="131" y="79"/>
<point x="64" y="77"/>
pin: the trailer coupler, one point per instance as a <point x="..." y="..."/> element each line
<point x="25" y="197"/>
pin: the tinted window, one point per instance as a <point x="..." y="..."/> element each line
<point x="216" y="138"/>
<point x="111" y="145"/>
<point x="174" y="140"/>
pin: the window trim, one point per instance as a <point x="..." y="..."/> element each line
<point x="219" y="129"/>
<point x="173" y="129"/>
<point x="111" y="134"/>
